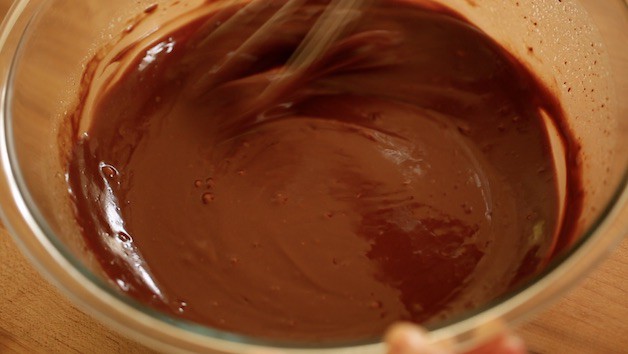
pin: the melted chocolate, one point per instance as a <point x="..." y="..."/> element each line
<point x="405" y="175"/>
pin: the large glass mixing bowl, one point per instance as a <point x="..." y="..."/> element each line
<point x="578" y="48"/>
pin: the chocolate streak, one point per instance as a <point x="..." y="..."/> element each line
<point x="406" y="175"/>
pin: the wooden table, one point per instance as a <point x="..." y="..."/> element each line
<point x="35" y="318"/>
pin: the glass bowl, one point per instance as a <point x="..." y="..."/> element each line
<point x="578" y="48"/>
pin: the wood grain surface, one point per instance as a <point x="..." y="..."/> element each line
<point x="35" y="318"/>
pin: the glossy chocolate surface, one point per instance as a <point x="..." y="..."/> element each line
<point x="406" y="175"/>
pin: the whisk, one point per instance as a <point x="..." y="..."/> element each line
<point x="330" y="25"/>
